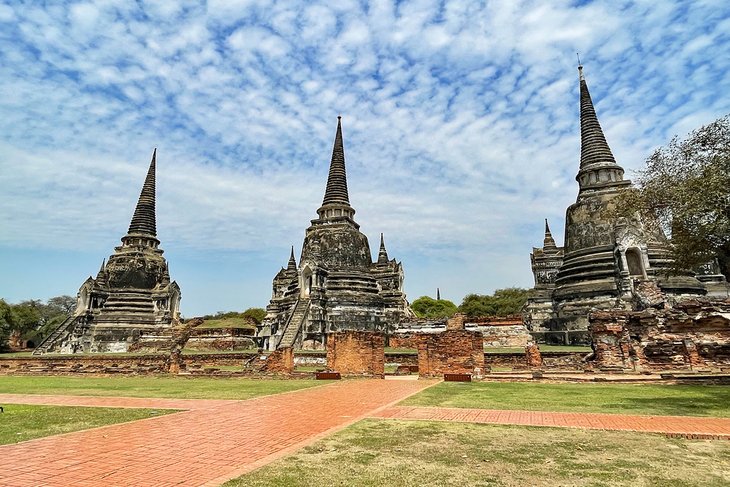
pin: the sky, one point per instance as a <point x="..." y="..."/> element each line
<point x="460" y="124"/>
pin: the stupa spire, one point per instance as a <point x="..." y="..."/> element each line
<point x="336" y="192"/>
<point x="382" y="253"/>
<point x="549" y="242"/>
<point x="598" y="167"/>
<point x="292" y="266"/>
<point x="144" y="221"/>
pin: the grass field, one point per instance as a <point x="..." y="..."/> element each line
<point x="399" y="453"/>
<point x="21" y="422"/>
<point x="680" y="400"/>
<point x="168" y="387"/>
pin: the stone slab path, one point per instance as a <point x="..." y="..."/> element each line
<point x="684" y="426"/>
<point x="209" y="443"/>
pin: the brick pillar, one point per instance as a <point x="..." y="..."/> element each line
<point x="280" y="361"/>
<point x="456" y="322"/>
<point x="533" y="355"/>
<point x="356" y="353"/>
<point x="609" y="338"/>
<point x="453" y="351"/>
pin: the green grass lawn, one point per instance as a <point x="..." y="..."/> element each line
<point x="169" y="387"/>
<point x="681" y="400"/>
<point x="405" y="453"/>
<point x="240" y="323"/>
<point x="21" y="422"/>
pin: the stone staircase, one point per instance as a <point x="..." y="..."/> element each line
<point x="294" y="325"/>
<point x="61" y="331"/>
<point x="129" y="302"/>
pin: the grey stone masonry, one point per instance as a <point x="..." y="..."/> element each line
<point x="336" y="285"/>
<point x="132" y="294"/>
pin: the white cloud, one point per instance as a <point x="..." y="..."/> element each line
<point x="460" y="120"/>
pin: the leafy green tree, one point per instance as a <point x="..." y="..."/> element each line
<point x="61" y="305"/>
<point x="426" y="307"/>
<point x="685" y="187"/>
<point x="256" y="314"/>
<point x="32" y="319"/>
<point x="503" y="302"/>
<point x="6" y="321"/>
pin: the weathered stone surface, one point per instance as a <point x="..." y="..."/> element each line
<point x="336" y="286"/>
<point x="452" y="352"/>
<point x="609" y="261"/>
<point x="356" y="353"/>
<point x="694" y="333"/>
<point x="132" y="294"/>
<point x="497" y="331"/>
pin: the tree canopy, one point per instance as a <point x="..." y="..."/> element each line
<point x="33" y="319"/>
<point x="256" y="315"/>
<point x="427" y="307"/>
<point x="503" y="302"/>
<point x="685" y="187"/>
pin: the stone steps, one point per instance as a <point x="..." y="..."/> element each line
<point x="129" y="302"/>
<point x="50" y="340"/>
<point x="295" y="324"/>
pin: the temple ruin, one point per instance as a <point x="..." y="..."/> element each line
<point x="131" y="296"/>
<point x="336" y="285"/>
<point x="608" y="262"/>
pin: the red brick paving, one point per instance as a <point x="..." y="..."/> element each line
<point x="686" y="426"/>
<point x="112" y="402"/>
<point x="211" y="442"/>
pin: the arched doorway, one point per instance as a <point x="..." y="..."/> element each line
<point x="634" y="262"/>
<point x="307" y="282"/>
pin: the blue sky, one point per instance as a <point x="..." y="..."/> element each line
<point x="460" y="122"/>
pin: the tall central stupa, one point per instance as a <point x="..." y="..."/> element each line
<point x="336" y="286"/>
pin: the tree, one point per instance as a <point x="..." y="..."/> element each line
<point x="32" y="319"/>
<point x="61" y="305"/>
<point x="256" y="314"/>
<point x="6" y="321"/>
<point x="426" y="307"/>
<point x="685" y="188"/>
<point x="503" y="302"/>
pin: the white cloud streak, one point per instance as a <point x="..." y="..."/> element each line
<point x="460" y="118"/>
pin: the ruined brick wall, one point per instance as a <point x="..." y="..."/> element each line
<point x="356" y="353"/>
<point x="279" y="361"/>
<point x="693" y="333"/>
<point x="404" y="340"/>
<point x="456" y="322"/>
<point x="453" y="351"/>
<point x="110" y="364"/>
<point x="505" y="335"/>
<point x="533" y="358"/>
<point x="550" y="360"/>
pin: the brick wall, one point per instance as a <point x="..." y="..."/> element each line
<point x="356" y="353"/>
<point x="453" y="352"/>
<point x="533" y="356"/>
<point x="279" y="361"/>
<point x="693" y="333"/>
<point x="456" y="322"/>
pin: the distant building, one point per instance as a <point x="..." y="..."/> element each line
<point x="336" y="286"/>
<point x="132" y="294"/>
<point x="607" y="261"/>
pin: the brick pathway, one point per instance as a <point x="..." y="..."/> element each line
<point x="211" y="442"/>
<point x="685" y="426"/>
